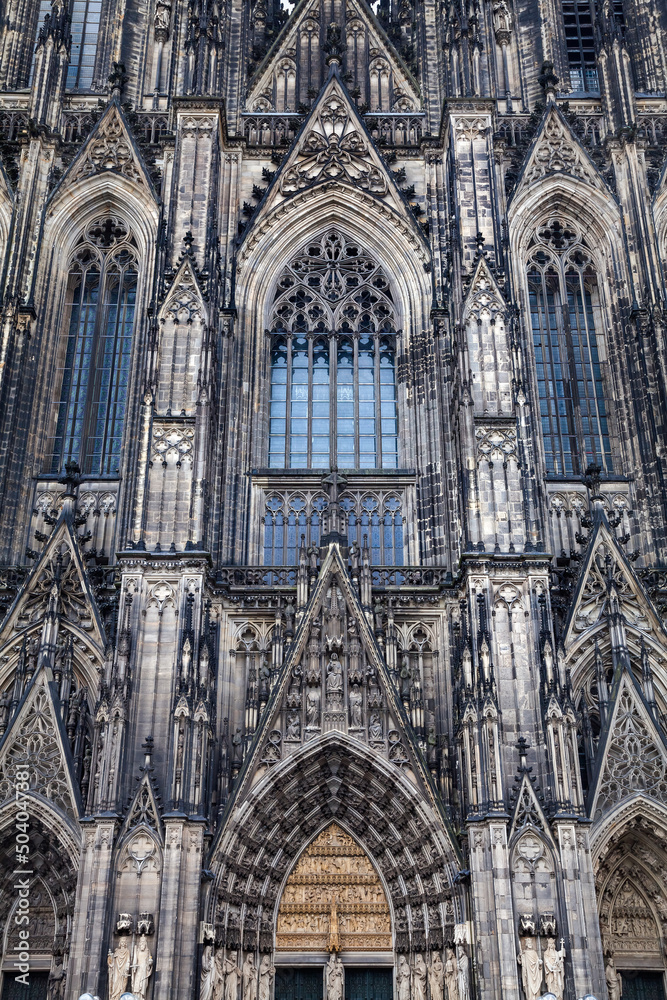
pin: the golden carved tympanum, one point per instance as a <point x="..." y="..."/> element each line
<point x="333" y="899"/>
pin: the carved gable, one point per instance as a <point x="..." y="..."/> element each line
<point x="36" y="744"/>
<point x="484" y="299"/>
<point x="557" y="150"/>
<point x="632" y="755"/>
<point x="59" y="577"/>
<point x="144" y="810"/>
<point x="335" y="680"/>
<point x="607" y="576"/>
<point x="110" y="147"/>
<point x="184" y="301"/>
<point x="334" y="896"/>
<point x="527" y="811"/>
<point x="334" y="148"/>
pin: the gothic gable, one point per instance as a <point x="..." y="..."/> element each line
<point x="334" y="148"/>
<point x="109" y="147"/>
<point x="632" y="752"/>
<point x="59" y="579"/>
<point x="184" y="301"/>
<point x="334" y="679"/>
<point x="528" y="812"/>
<point x="606" y="575"/>
<point x="144" y="809"/>
<point x="556" y="150"/>
<point x="36" y="743"/>
<point x="484" y="298"/>
<point x="274" y="85"/>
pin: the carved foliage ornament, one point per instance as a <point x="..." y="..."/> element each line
<point x="333" y="150"/>
<point x="555" y="152"/>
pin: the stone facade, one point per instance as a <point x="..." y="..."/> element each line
<point x="333" y="462"/>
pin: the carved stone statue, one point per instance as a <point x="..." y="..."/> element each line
<point x="334" y="684"/>
<point x="451" y="975"/>
<point x="231" y="972"/>
<point x="614" y="980"/>
<point x="142" y="968"/>
<point x="249" y="978"/>
<point x="313" y="706"/>
<point x="293" y="727"/>
<point x="356" y="699"/>
<point x="334" y="934"/>
<point x="208" y="973"/>
<point x="436" y="977"/>
<point x="375" y="727"/>
<point x="554" y="967"/>
<point x="334" y="978"/>
<point x="56" y="988"/>
<point x="266" y="974"/>
<point x="118" y="962"/>
<point x="403" y="979"/>
<point x="419" y="978"/>
<point x="531" y="969"/>
<point x="462" y="972"/>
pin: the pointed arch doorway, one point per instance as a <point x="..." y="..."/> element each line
<point x="334" y="907"/>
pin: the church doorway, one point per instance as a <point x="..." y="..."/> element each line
<point x="35" y="990"/>
<point x="643" y="985"/>
<point x="300" y="984"/>
<point x="368" y="984"/>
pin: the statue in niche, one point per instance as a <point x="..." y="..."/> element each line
<point x="118" y="962"/>
<point x="554" y="967"/>
<point x="313" y="707"/>
<point x="419" y="979"/>
<point x="266" y="974"/>
<point x="375" y="727"/>
<point x="142" y="968"/>
<point x="209" y="972"/>
<point x="356" y="699"/>
<point x="403" y="979"/>
<point x="462" y="972"/>
<point x="436" y="977"/>
<point x="451" y="975"/>
<point x="249" y="978"/>
<point x="231" y="972"/>
<point x="531" y="969"/>
<point x="293" y="727"/>
<point x="613" y="978"/>
<point x="334" y="978"/>
<point x="334" y="684"/>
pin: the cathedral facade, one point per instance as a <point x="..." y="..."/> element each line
<point x="333" y="532"/>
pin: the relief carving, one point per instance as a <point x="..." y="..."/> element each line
<point x="334" y="900"/>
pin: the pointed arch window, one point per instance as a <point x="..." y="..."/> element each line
<point x="569" y="350"/>
<point x="333" y="368"/>
<point x="89" y="410"/>
<point x="86" y="16"/>
<point x="578" y="18"/>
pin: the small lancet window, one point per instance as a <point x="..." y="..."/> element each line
<point x="94" y="363"/>
<point x="569" y="351"/>
<point x="333" y="371"/>
<point x="85" y="30"/>
<point x="579" y="39"/>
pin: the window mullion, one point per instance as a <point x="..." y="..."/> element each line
<point x="309" y="443"/>
<point x="355" y="376"/>
<point x="333" y="399"/>
<point x="89" y="421"/>
<point x="288" y="406"/>
<point x="377" y="404"/>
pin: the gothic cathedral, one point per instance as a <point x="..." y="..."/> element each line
<point x="333" y="477"/>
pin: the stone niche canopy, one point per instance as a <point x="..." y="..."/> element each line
<point x="333" y="899"/>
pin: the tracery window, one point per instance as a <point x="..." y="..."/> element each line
<point x="578" y="21"/>
<point x="85" y="29"/>
<point x="569" y="348"/>
<point x="333" y="377"/>
<point x="295" y="518"/>
<point x="89" y="408"/>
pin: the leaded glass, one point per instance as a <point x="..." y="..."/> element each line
<point x="333" y="397"/>
<point x="93" y="378"/>
<point x="563" y="291"/>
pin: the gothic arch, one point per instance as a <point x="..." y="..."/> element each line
<point x="334" y="780"/>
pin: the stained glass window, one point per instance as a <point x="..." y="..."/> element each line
<point x="569" y="349"/>
<point x="94" y="367"/>
<point x="333" y="373"/>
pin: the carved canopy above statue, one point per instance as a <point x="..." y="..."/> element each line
<point x="333" y="899"/>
